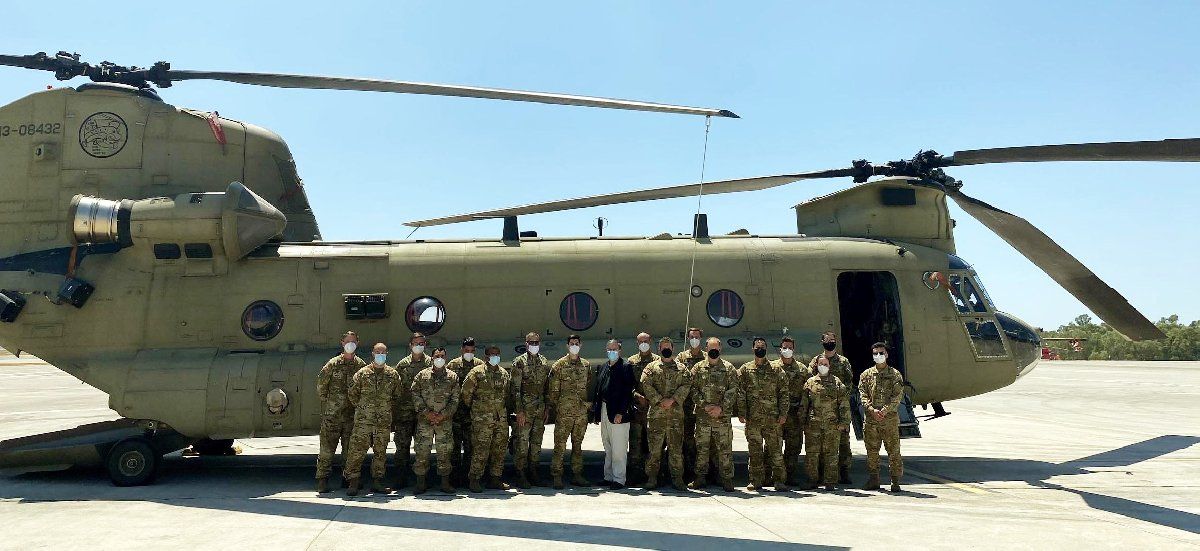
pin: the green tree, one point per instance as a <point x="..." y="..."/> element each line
<point x="1103" y="343"/>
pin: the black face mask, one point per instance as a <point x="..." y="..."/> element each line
<point x="829" y="345"/>
<point x="666" y="352"/>
<point x="760" y="352"/>
<point x="714" y="353"/>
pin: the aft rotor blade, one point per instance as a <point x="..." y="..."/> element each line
<point x="1181" y="150"/>
<point x="685" y="190"/>
<point x="1063" y="268"/>
<point x="371" y="85"/>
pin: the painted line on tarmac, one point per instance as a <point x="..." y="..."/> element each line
<point x="961" y="486"/>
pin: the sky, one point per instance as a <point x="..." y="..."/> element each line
<point x="817" y="84"/>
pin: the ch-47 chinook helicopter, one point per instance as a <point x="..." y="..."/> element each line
<point x="169" y="258"/>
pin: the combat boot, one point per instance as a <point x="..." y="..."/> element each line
<point x="579" y="480"/>
<point x="830" y="487"/>
<point x="727" y="485"/>
<point x="753" y="486"/>
<point x="377" y="487"/>
<point x="522" y="481"/>
<point x="844" y="475"/>
<point x="535" y="479"/>
<point x="872" y="483"/>
<point x="696" y="484"/>
<point x="353" y="487"/>
<point x="895" y="486"/>
<point x="651" y="482"/>
<point x="496" y="484"/>
<point x="421" y="485"/>
<point x="781" y="487"/>
<point x="323" y="485"/>
<point x="475" y="486"/>
<point x="558" y="483"/>
<point x="679" y="485"/>
<point x="401" y="479"/>
<point x="447" y="488"/>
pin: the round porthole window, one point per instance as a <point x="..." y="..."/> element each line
<point x="578" y="311"/>
<point x="262" y="320"/>
<point x="425" y="315"/>
<point x="725" y="308"/>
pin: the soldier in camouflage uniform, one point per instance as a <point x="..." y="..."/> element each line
<point x="715" y="393"/>
<point x="793" y="433"/>
<point x="404" y="417"/>
<point x="689" y="358"/>
<point x="666" y="384"/>
<point x="460" y="457"/>
<point x="570" y="380"/>
<point x="764" y="410"/>
<point x="337" y="415"/>
<point x="637" y="427"/>
<point x="531" y="383"/>
<point x="373" y="390"/>
<point x="840" y="366"/>
<point x="435" y="394"/>
<point x="880" y="390"/>
<point x="487" y="391"/>
<point x="825" y="413"/>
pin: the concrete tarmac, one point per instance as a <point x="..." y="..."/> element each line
<point x="1077" y="454"/>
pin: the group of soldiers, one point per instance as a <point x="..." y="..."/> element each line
<point x="471" y="410"/>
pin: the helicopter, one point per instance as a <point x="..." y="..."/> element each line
<point x="169" y="258"/>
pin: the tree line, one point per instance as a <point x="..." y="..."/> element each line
<point x="1103" y="343"/>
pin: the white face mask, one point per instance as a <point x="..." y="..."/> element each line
<point x="439" y="362"/>
<point x="418" y="349"/>
<point x="533" y="348"/>
<point x="695" y="343"/>
<point x="381" y="359"/>
<point x="350" y="347"/>
<point x="786" y="352"/>
<point x="644" y="346"/>
<point x="468" y="356"/>
<point x="494" y="360"/>
<point x="573" y="349"/>
<point x="823" y="369"/>
<point x="879" y="358"/>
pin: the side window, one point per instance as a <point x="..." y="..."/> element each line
<point x="985" y="339"/>
<point x="964" y="295"/>
<point x="262" y="320"/>
<point x="725" y="308"/>
<point x="425" y="315"/>
<point x="578" y="311"/>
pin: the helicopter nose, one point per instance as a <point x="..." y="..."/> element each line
<point x="1027" y="345"/>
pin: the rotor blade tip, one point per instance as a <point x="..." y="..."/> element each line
<point x="727" y="113"/>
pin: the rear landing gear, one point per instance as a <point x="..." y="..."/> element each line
<point x="207" y="447"/>
<point x="132" y="462"/>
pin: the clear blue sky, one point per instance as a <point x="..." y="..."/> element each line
<point x="817" y="85"/>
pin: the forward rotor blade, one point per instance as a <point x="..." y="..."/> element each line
<point x="1183" y="150"/>
<point x="371" y="85"/>
<point x="685" y="190"/>
<point x="1063" y="268"/>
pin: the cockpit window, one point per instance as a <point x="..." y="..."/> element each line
<point x="964" y="295"/>
<point x="957" y="263"/>
<point x="985" y="339"/>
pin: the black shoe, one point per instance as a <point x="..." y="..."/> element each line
<point x="844" y="476"/>
<point x="616" y="486"/>
<point x="895" y="487"/>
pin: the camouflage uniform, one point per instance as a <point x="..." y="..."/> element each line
<point x="765" y="398"/>
<point x="689" y="359"/>
<point x="824" y="408"/>
<point x="486" y="393"/>
<point x="793" y="433"/>
<point x="714" y="385"/>
<point x="404" y="417"/>
<point x="434" y="391"/>
<point x="530" y="384"/>
<point x="637" y="427"/>
<point x="372" y="391"/>
<point x="569" y="384"/>
<point x="662" y="379"/>
<point x="337" y="414"/>
<point x="840" y="367"/>
<point x="882" y="389"/>
<point x="460" y="456"/>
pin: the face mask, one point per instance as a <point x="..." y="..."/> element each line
<point x="644" y="346"/>
<point x="573" y="349"/>
<point x="380" y="359"/>
<point x="714" y="353"/>
<point x="829" y="345"/>
<point x="823" y="370"/>
<point x="468" y="356"/>
<point x="494" y="360"/>
<point x="439" y="362"/>
<point x="533" y="348"/>
<point x="350" y="347"/>
<point x="613" y="355"/>
<point x="418" y="349"/>
<point x="695" y="343"/>
<point x="879" y="358"/>
<point x="760" y="352"/>
<point x="666" y="352"/>
<point x="786" y="352"/>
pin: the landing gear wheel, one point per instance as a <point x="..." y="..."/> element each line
<point x="132" y="462"/>
<point x="206" y="446"/>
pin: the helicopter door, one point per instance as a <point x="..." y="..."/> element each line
<point x="869" y="307"/>
<point x="231" y="403"/>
